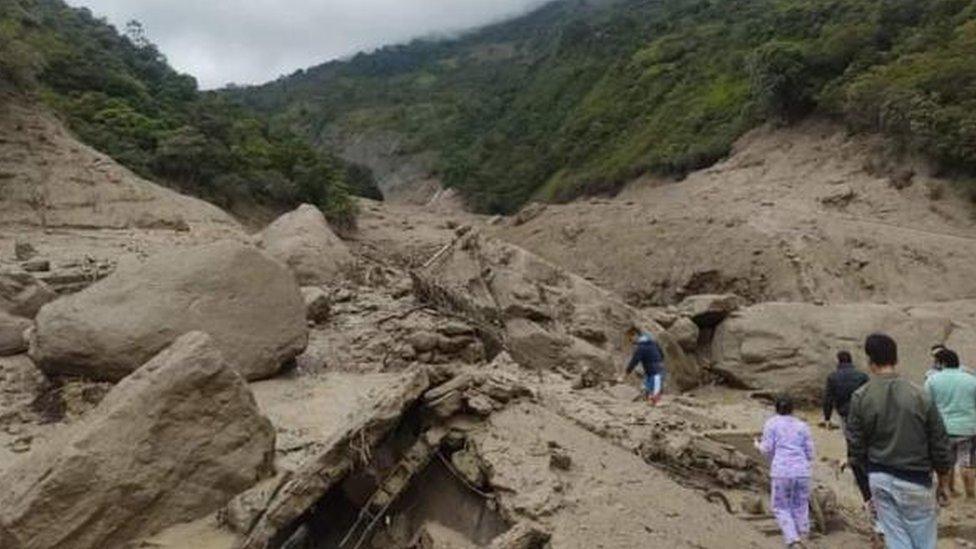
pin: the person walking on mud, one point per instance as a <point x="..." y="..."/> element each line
<point x="648" y="354"/>
<point x="897" y="434"/>
<point x="787" y="444"/>
<point x="841" y="384"/>
<point x="954" y="393"/>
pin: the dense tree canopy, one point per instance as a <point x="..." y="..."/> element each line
<point x="582" y="95"/>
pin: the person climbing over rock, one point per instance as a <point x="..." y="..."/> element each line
<point x="954" y="393"/>
<point x="787" y="444"/>
<point x="648" y="354"/>
<point x="897" y="434"/>
<point x="841" y="384"/>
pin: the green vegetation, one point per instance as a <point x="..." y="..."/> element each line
<point x="581" y="96"/>
<point x="119" y="95"/>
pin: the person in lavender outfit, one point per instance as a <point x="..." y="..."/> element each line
<point x="787" y="444"/>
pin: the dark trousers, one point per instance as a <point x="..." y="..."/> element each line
<point x="860" y="473"/>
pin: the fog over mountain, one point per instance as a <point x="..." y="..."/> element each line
<point x="252" y="41"/>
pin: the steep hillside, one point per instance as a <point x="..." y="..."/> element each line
<point x="119" y="95"/>
<point x="792" y="215"/>
<point x="581" y="96"/>
<point x="49" y="180"/>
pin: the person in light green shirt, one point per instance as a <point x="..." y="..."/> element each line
<point x="953" y="391"/>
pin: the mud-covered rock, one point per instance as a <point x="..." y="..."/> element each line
<point x="171" y="443"/>
<point x="21" y="294"/>
<point x="303" y="240"/>
<point x="546" y="316"/>
<point x="685" y="332"/>
<point x="12" y="328"/>
<point x="792" y="346"/>
<point x="24" y="250"/>
<point x="318" y="306"/>
<point x="249" y="303"/>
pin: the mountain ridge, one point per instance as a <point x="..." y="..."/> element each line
<point x="581" y="97"/>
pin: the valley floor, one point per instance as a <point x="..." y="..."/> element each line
<point x="572" y="452"/>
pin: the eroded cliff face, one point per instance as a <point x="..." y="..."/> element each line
<point x="402" y="176"/>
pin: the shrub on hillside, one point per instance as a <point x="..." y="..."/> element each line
<point x="780" y="76"/>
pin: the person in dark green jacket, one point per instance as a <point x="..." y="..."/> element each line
<point x="897" y="434"/>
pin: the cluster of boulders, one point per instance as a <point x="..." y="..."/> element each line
<point x="693" y="321"/>
<point x="181" y="333"/>
<point x="544" y="316"/>
<point x="64" y="277"/>
<point x="447" y="342"/>
<point x="180" y="434"/>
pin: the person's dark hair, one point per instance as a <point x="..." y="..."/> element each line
<point x="936" y="348"/>
<point x="784" y="405"/>
<point x="881" y="350"/>
<point x="947" y="358"/>
<point x="844" y="357"/>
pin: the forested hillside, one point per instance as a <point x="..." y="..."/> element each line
<point x="119" y="95"/>
<point x="581" y="96"/>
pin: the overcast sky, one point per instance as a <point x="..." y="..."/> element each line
<point x="253" y="41"/>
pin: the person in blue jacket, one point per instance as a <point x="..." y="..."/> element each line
<point x="648" y="354"/>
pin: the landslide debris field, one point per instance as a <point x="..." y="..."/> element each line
<point x="443" y="380"/>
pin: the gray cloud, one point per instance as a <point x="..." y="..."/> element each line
<point x="253" y="41"/>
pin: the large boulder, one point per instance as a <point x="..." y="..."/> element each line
<point x="249" y="303"/>
<point x="171" y="443"/>
<point x="23" y="295"/>
<point x="547" y="317"/>
<point x="303" y="240"/>
<point x="12" y="329"/>
<point x="792" y="346"/>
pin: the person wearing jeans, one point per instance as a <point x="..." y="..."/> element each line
<point x="787" y="444"/>
<point x="648" y="354"/>
<point x="907" y="511"/>
<point x="897" y="434"/>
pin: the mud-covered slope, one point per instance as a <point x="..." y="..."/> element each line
<point x="798" y="214"/>
<point x="48" y="178"/>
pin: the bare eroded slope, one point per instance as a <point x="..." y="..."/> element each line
<point x="48" y="178"/>
<point x="792" y="215"/>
